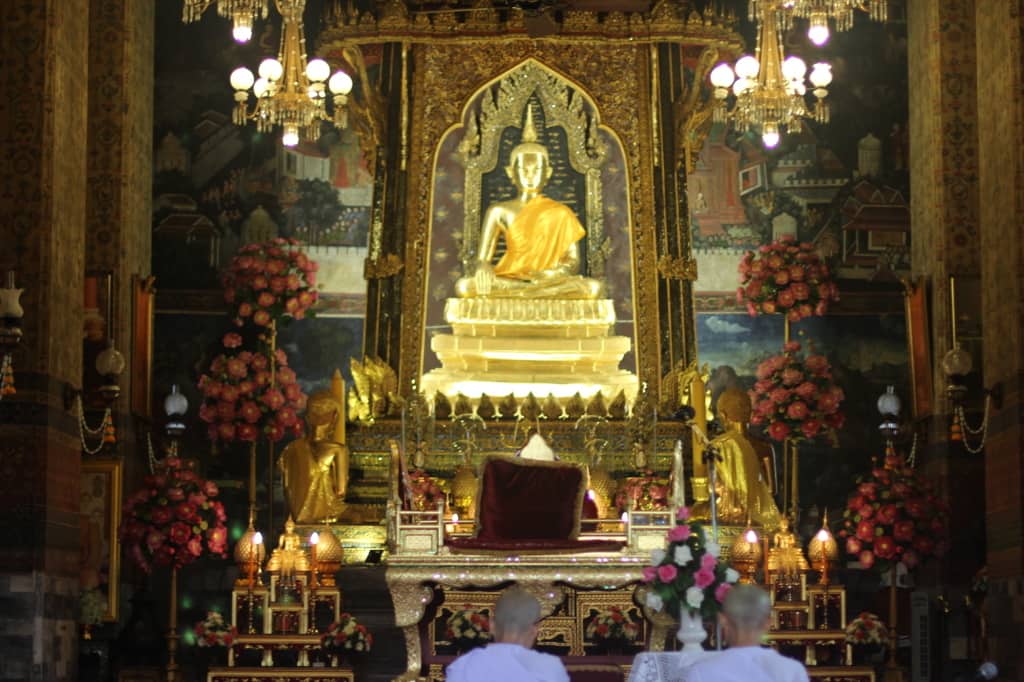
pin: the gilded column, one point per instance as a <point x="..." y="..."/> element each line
<point x="120" y="161"/>
<point x="44" y="81"/>
<point x="1000" y="74"/>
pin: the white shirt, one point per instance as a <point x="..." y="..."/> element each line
<point x="746" y="664"/>
<point x="506" y="663"/>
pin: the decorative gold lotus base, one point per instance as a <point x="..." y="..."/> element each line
<point x="503" y="346"/>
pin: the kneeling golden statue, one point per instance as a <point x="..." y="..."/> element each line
<point x="744" y="494"/>
<point x="315" y="467"/>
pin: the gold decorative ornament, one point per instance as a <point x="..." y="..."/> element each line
<point x="249" y="554"/>
<point x="671" y="267"/>
<point x="823" y="551"/>
<point x="746" y="554"/>
<point x="374" y="393"/>
<point x="785" y="558"/>
<point x="383" y="267"/>
<point x="329" y="556"/>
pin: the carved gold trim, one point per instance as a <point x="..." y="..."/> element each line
<point x="692" y="110"/>
<point x="382" y="267"/>
<point x="671" y="267"/>
<point x="486" y="23"/>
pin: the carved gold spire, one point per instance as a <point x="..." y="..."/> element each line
<point x="529" y="131"/>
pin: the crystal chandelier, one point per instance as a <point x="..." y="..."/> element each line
<point x="290" y="92"/>
<point x="243" y="14"/>
<point x="769" y="88"/>
<point x="819" y="12"/>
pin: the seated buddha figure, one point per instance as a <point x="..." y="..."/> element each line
<point x="744" y="492"/>
<point x="315" y="467"/>
<point x="288" y="558"/>
<point x="541" y="235"/>
<point x="786" y="557"/>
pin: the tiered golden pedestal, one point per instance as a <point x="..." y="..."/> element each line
<point x="812" y="619"/>
<point x="279" y="626"/>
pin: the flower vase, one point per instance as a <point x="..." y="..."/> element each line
<point x="691" y="631"/>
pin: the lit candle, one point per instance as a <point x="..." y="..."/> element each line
<point x="257" y="543"/>
<point x="314" y="539"/>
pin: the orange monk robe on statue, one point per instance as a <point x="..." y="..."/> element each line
<point x="538" y="238"/>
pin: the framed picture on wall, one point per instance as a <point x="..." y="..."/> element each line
<point x="100" y="516"/>
<point x="918" y="346"/>
<point x="143" y="305"/>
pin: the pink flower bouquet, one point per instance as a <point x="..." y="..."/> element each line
<point x="795" y="396"/>
<point x="244" y="397"/>
<point x="688" y="573"/>
<point x="894" y="516"/>
<point x="173" y="518"/>
<point x="267" y="282"/>
<point x="786" y="277"/>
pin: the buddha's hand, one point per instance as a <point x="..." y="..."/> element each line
<point x="484" y="277"/>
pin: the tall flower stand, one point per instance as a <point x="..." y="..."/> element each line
<point x="893" y="671"/>
<point x="172" y="630"/>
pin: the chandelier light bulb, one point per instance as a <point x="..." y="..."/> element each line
<point x="821" y="75"/>
<point x="260" y="87"/>
<point x="271" y="69"/>
<point x="241" y="78"/>
<point x="770" y="135"/>
<point x="747" y="67"/>
<point x="340" y="83"/>
<point x="818" y="31"/>
<point x="722" y="76"/>
<point x="110" y="362"/>
<point x="290" y="138"/>
<point x="241" y="29"/>
<point x="742" y="85"/>
<point x="317" y="70"/>
<point x="794" y="68"/>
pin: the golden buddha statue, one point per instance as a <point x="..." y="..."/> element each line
<point x="288" y="558"/>
<point x="529" y="323"/>
<point x="541" y="236"/>
<point x="315" y="467"/>
<point x="786" y="558"/>
<point x="744" y="492"/>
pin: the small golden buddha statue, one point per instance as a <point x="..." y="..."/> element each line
<point x="744" y="492"/>
<point x="542" y="256"/>
<point x="288" y="558"/>
<point x="315" y="467"/>
<point x="786" y="557"/>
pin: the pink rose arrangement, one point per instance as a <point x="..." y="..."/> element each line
<point x="214" y="631"/>
<point x="245" y="397"/>
<point x="612" y="625"/>
<point x="786" y="277"/>
<point x="266" y="282"/>
<point x="646" y="493"/>
<point x="894" y="516"/>
<point x="688" y="574"/>
<point x="795" y="396"/>
<point x="173" y="518"/>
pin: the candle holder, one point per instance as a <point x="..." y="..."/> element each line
<point x="746" y="554"/>
<point x="823" y="551"/>
<point x="314" y="540"/>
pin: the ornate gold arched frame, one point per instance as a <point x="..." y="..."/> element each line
<point x="502" y="105"/>
<point x="616" y="78"/>
<point x="471" y="148"/>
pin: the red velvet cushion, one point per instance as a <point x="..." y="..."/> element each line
<point x="528" y="500"/>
